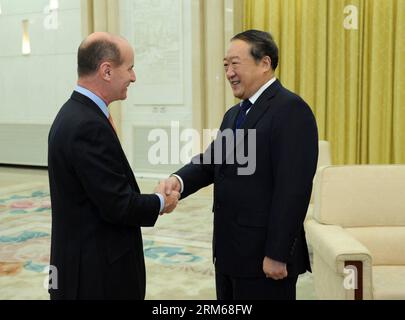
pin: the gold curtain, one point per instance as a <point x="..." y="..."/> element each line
<point x="214" y="22"/>
<point x="353" y="76"/>
<point x="99" y="15"/>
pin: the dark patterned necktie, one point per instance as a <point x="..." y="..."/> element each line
<point x="246" y="104"/>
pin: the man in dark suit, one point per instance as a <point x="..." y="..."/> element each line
<point x="259" y="243"/>
<point x="97" y="207"/>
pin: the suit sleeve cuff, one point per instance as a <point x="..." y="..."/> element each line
<point x="162" y="202"/>
<point x="180" y="180"/>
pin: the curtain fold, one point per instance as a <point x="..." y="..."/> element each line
<point x="353" y="78"/>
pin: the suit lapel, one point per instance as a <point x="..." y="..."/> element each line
<point x="230" y="122"/>
<point x="87" y="101"/>
<point x="261" y="105"/>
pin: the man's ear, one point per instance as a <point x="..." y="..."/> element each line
<point x="267" y="63"/>
<point x="105" y="71"/>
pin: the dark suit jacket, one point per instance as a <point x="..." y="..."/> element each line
<point x="97" y="208"/>
<point x="262" y="214"/>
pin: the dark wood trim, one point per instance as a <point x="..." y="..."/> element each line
<point x="358" y="293"/>
<point x="21" y="166"/>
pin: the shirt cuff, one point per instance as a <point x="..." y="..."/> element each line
<point x="162" y="202"/>
<point x="180" y="180"/>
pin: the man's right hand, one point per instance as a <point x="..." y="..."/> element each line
<point x="172" y="184"/>
<point x="171" y="198"/>
<point x="171" y="201"/>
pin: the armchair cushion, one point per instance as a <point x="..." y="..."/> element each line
<point x="386" y="244"/>
<point x="389" y="287"/>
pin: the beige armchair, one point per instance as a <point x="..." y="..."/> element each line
<point x="358" y="232"/>
<point x="324" y="159"/>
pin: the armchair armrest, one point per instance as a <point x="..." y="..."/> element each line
<point x="337" y="248"/>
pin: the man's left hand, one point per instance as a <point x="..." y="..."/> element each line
<point x="274" y="269"/>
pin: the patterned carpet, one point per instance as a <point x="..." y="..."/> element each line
<point x="24" y="241"/>
<point x="177" y="256"/>
<point x="177" y="250"/>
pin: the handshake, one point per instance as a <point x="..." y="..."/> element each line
<point x="170" y="190"/>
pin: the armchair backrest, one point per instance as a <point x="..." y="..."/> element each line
<point x="324" y="158"/>
<point x="369" y="202"/>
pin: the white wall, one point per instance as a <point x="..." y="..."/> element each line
<point x="160" y="31"/>
<point x="34" y="87"/>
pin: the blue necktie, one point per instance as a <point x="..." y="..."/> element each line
<point x="246" y="104"/>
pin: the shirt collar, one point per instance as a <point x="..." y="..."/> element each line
<point x="93" y="97"/>
<point x="256" y="96"/>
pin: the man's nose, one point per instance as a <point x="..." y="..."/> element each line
<point x="230" y="72"/>
<point x="133" y="76"/>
